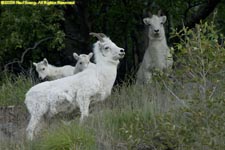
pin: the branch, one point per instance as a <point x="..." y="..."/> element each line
<point x="190" y="6"/>
<point x="25" y="52"/>
<point x="214" y="89"/>
<point x="202" y="14"/>
<point x="74" y="38"/>
<point x="172" y="93"/>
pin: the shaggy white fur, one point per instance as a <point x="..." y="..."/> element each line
<point x="83" y="61"/>
<point x="157" y="56"/>
<point x="63" y="95"/>
<point x="50" y="72"/>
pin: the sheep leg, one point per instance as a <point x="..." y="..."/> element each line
<point x="84" y="111"/>
<point x="33" y="127"/>
<point x="83" y="103"/>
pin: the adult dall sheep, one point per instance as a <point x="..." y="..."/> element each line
<point x="157" y="55"/>
<point x="95" y="83"/>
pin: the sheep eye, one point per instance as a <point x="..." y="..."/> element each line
<point x="149" y="25"/>
<point x="161" y="23"/>
<point x="80" y="63"/>
<point x="43" y="68"/>
<point x="107" y="47"/>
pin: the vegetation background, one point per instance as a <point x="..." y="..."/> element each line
<point x="55" y="32"/>
<point x="183" y="111"/>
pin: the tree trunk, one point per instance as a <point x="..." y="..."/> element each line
<point x="77" y="28"/>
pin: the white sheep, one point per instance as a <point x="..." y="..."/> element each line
<point x="157" y="56"/>
<point x="77" y="91"/>
<point x="83" y="61"/>
<point x="50" y="72"/>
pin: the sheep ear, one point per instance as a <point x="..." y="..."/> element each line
<point x="45" y="61"/>
<point x="146" y="21"/>
<point x="35" y="64"/>
<point x="100" y="45"/>
<point x="75" y="56"/>
<point x="164" y="19"/>
<point x="90" y="55"/>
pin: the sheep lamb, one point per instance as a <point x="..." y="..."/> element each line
<point x="50" y="72"/>
<point x="95" y="83"/>
<point x="83" y="61"/>
<point x="157" y="56"/>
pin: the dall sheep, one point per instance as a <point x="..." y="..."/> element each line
<point x="77" y="91"/>
<point x="50" y="72"/>
<point x="83" y="61"/>
<point x="157" y="56"/>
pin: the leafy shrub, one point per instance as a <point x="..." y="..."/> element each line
<point x="22" y="26"/>
<point x="198" y="127"/>
<point x="200" y="57"/>
<point x="150" y="117"/>
<point x="199" y="123"/>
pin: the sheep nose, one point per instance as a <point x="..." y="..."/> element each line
<point x="156" y="31"/>
<point x="122" y="50"/>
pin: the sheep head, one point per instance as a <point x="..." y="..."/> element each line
<point x="83" y="60"/>
<point x="42" y="68"/>
<point x="105" y="49"/>
<point x="155" y="24"/>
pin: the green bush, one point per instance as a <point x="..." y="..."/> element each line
<point x="200" y="58"/>
<point x="156" y="116"/>
<point x="24" y="26"/>
<point x="137" y="118"/>
<point x="200" y="126"/>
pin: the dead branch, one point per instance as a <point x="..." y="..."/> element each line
<point x="19" y="62"/>
<point x="173" y="94"/>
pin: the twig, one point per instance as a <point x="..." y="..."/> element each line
<point x="74" y="38"/>
<point x="172" y="93"/>
<point x="25" y="52"/>
<point x="214" y="89"/>
<point x="190" y="6"/>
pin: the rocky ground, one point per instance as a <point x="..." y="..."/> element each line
<point x="13" y="120"/>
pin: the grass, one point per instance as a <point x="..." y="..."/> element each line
<point x="67" y="137"/>
<point x="13" y="89"/>
<point x="182" y="112"/>
<point x="135" y="122"/>
<point x="139" y="117"/>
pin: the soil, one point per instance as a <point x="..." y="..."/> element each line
<point x="13" y="121"/>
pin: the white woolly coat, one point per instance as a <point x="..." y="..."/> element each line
<point x="59" y="72"/>
<point x="65" y="94"/>
<point x="157" y="56"/>
<point x="68" y="93"/>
